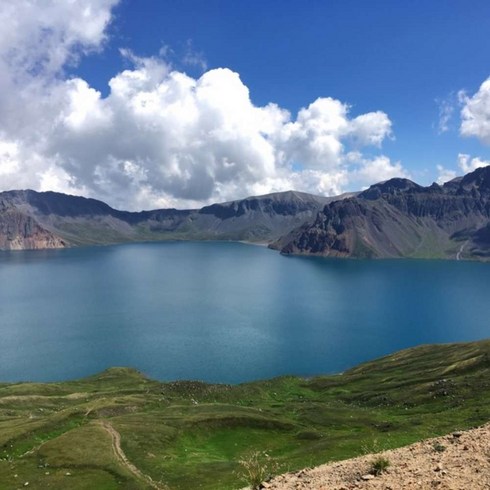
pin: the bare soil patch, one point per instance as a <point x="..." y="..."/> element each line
<point x="458" y="461"/>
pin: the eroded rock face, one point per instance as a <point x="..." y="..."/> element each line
<point x="21" y="232"/>
<point x="399" y="218"/>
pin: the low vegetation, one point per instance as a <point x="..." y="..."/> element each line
<point x="379" y="465"/>
<point x="256" y="467"/>
<point x="121" y="430"/>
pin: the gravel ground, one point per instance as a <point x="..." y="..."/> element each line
<point x="458" y="461"/>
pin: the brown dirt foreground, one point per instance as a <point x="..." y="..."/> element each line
<point x="458" y="461"/>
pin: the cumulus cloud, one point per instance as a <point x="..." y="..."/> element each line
<point x="370" y="129"/>
<point x="475" y="114"/>
<point x="161" y="137"/>
<point x="196" y="140"/>
<point x="377" y="169"/>
<point x="41" y="37"/>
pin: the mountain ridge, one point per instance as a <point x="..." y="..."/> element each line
<point x="399" y="218"/>
<point x="31" y="219"/>
<point x="391" y="219"/>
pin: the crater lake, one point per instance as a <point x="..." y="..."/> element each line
<point x="224" y="312"/>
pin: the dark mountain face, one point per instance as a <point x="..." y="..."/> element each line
<point x="390" y="187"/>
<point x="282" y="203"/>
<point x="59" y="204"/>
<point x="399" y="218"/>
<point x="30" y="219"/>
<point x="478" y="180"/>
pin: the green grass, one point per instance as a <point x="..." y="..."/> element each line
<point x="193" y="435"/>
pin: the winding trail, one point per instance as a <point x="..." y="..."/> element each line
<point x="122" y="458"/>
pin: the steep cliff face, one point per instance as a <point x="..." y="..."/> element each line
<point x="399" y="218"/>
<point x="19" y="231"/>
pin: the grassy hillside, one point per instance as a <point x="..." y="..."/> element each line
<point x="120" y="430"/>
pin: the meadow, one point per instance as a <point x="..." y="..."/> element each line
<point x="122" y="430"/>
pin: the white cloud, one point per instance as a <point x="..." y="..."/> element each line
<point x="39" y="38"/>
<point x="468" y="164"/>
<point x="446" y="111"/>
<point x="314" y="139"/>
<point x="370" y="129"/>
<point x="9" y="158"/>
<point x="161" y="137"/>
<point x="475" y="114"/>
<point x="379" y="169"/>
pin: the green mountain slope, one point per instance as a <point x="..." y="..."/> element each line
<point x="120" y="430"/>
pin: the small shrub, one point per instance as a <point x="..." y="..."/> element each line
<point x="438" y="447"/>
<point x="379" y="465"/>
<point x="256" y="468"/>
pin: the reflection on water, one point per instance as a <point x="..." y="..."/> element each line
<point x="224" y="312"/>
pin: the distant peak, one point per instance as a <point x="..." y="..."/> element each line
<point x="391" y="186"/>
<point x="479" y="178"/>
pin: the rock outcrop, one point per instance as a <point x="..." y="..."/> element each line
<point x="19" y="231"/>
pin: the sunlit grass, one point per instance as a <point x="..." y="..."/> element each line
<point x="194" y="435"/>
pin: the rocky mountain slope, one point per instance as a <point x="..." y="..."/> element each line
<point x="396" y="218"/>
<point x="20" y="231"/>
<point x="30" y="220"/>
<point x="399" y="218"/>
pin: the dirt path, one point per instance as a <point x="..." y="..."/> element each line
<point x="122" y="458"/>
<point x="458" y="461"/>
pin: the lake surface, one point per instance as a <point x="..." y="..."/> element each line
<point x="224" y="312"/>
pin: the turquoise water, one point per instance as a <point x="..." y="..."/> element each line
<point x="224" y="312"/>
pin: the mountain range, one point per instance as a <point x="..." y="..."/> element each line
<point x="395" y="218"/>
<point x="399" y="218"/>
<point x="37" y="220"/>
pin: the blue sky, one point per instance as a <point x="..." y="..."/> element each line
<point x="415" y="65"/>
<point x="405" y="58"/>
